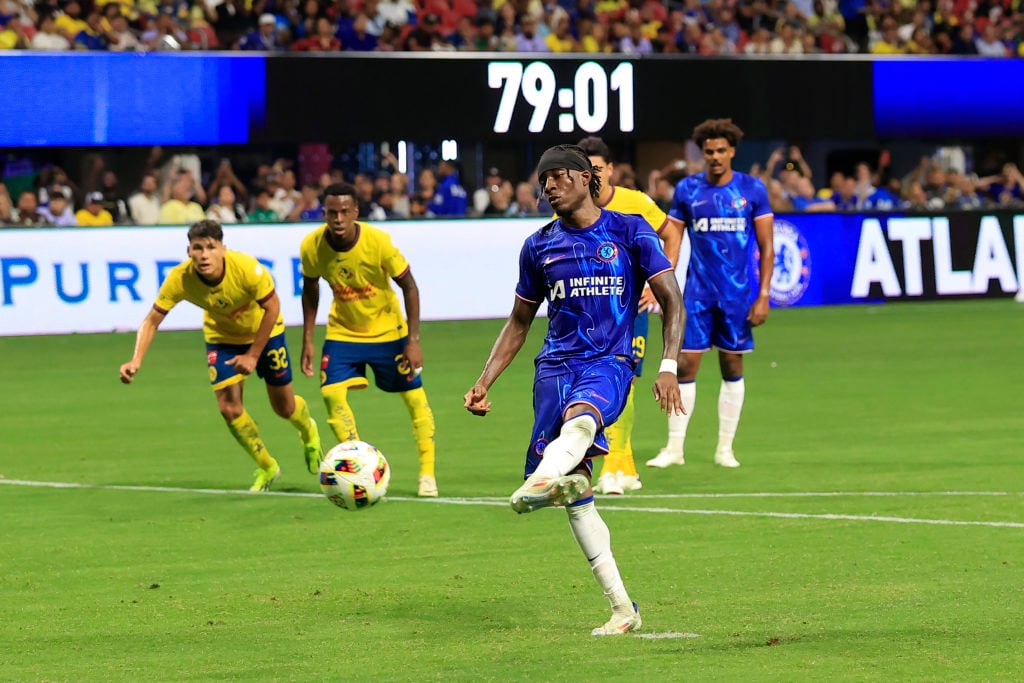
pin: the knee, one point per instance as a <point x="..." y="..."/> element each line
<point x="231" y="411"/>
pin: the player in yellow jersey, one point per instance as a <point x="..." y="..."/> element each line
<point x="244" y="332"/>
<point x="618" y="472"/>
<point x="365" y="325"/>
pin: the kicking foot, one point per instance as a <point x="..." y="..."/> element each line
<point x="541" y="492"/>
<point x="428" y="487"/>
<point x="620" y="624"/>
<point x="629" y="482"/>
<point x="666" y="458"/>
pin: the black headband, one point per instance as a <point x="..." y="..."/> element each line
<point x="561" y="158"/>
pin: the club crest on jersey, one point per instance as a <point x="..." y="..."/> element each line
<point x="539" y="445"/>
<point x="792" y="273"/>
<point x="607" y="252"/>
<point x="738" y="203"/>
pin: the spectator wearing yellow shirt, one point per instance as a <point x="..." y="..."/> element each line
<point x="13" y="36"/>
<point x="93" y="214"/>
<point x="560" y="40"/>
<point x="595" y="40"/>
<point x="70" y="23"/>
<point x="180" y="209"/>
<point x="890" y="44"/>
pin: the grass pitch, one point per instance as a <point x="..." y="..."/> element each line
<point x="874" y="533"/>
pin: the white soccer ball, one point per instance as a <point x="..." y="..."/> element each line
<point x="354" y="475"/>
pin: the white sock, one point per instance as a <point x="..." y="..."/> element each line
<point x="677" y="424"/>
<point x="595" y="541"/>
<point x="567" y="451"/>
<point x="730" y="405"/>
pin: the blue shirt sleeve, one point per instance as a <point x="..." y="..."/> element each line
<point x="759" y="199"/>
<point x="650" y="254"/>
<point x="531" y="285"/>
<point x="679" y="207"/>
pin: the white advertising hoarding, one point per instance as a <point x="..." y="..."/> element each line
<point x="56" y="281"/>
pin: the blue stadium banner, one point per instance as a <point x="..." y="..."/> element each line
<point x="827" y="259"/>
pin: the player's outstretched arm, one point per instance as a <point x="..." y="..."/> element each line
<point x="143" y="338"/>
<point x="310" y="302"/>
<point x="764" y="229"/>
<point x="666" y="386"/>
<point x="506" y="346"/>
<point x="411" y="297"/>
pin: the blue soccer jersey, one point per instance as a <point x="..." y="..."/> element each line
<point x="720" y="222"/>
<point x="592" y="278"/>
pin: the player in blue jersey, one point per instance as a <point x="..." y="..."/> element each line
<point x="591" y="266"/>
<point x="726" y="213"/>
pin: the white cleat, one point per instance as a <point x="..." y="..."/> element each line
<point x="629" y="482"/>
<point x="609" y="485"/>
<point x="666" y="458"/>
<point x="541" y="492"/>
<point x="726" y="459"/>
<point x="620" y="624"/>
<point x="428" y="487"/>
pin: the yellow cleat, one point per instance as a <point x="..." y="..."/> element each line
<point x="314" y="449"/>
<point x="265" y="477"/>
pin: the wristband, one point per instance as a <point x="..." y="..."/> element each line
<point x="766" y="292"/>
<point x="668" y="365"/>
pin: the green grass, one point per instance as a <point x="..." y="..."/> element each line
<point x="101" y="584"/>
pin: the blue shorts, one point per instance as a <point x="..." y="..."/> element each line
<point x="273" y="366"/>
<point x="603" y="384"/>
<point x="640" y="329"/>
<point x="719" y="324"/>
<point x="345" y="363"/>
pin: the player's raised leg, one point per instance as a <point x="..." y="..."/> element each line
<point x="551" y="483"/>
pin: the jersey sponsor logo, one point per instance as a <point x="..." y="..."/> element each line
<point x="599" y="285"/>
<point x="720" y="224"/>
<point x="607" y="252"/>
<point x="792" y="273"/>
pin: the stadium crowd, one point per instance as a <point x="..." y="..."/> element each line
<point x="993" y="28"/>
<point x="176" y="189"/>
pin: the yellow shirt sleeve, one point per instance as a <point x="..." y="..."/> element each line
<point x="393" y="262"/>
<point x="172" y="291"/>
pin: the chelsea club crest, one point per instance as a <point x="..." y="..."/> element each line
<point x="607" y="252"/>
<point x="792" y="273"/>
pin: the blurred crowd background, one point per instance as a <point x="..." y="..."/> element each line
<point x="992" y="28"/>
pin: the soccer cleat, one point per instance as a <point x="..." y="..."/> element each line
<point x="314" y="449"/>
<point x="428" y="487"/>
<point x="629" y="482"/>
<point x="726" y="459"/>
<point x="541" y="492"/>
<point x="265" y="477"/>
<point x="620" y="624"/>
<point x="666" y="458"/>
<point x="608" y="484"/>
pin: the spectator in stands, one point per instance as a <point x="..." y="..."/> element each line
<point x="525" y="203"/>
<point x="450" y="200"/>
<point x="26" y="214"/>
<point x="635" y="42"/>
<point x="359" y="38"/>
<point x="92" y="37"/>
<point x="265" y="38"/>
<point x="263" y="213"/>
<point x="201" y="35"/>
<point x="988" y="43"/>
<point x="968" y="196"/>
<point x="921" y="43"/>
<point x="889" y="43"/>
<point x="113" y="201"/>
<point x="323" y="40"/>
<point x="58" y="212"/>
<point x="93" y="214"/>
<point x="561" y="39"/>
<point x="5" y="205"/>
<point x="225" y="175"/>
<point x="121" y="38"/>
<point x="482" y="196"/>
<point x="486" y="36"/>
<point x="760" y="43"/>
<point x="527" y="39"/>
<point x="397" y="12"/>
<point x="226" y="208"/>
<point x="70" y="22"/>
<point x="964" y="40"/>
<point x="286" y="197"/>
<point x="13" y="35"/>
<point x="232" y="20"/>
<point x="48" y="37"/>
<point x="787" y="42"/>
<point x="308" y="208"/>
<point x="419" y="206"/>
<point x="144" y="205"/>
<point x="597" y="41"/>
<point x="55" y="179"/>
<point x="845" y="196"/>
<point x="166" y="35"/>
<point x="805" y="199"/>
<point x="1006" y="188"/>
<point x="180" y="209"/>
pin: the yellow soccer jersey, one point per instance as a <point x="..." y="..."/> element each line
<point x="625" y="200"/>
<point x="233" y="313"/>
<point x="365" y="307"/>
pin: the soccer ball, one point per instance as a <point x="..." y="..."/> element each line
<point x="354" y="475"/>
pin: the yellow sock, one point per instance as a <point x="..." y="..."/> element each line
<point x="339" y="415"/>
<point x="620" y="442"/>
<point x="247" y="434"/>
<point x="300" y="419"/>
<point x="422" y="427"/>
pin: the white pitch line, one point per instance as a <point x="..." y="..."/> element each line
<point x="500" y="502"/>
